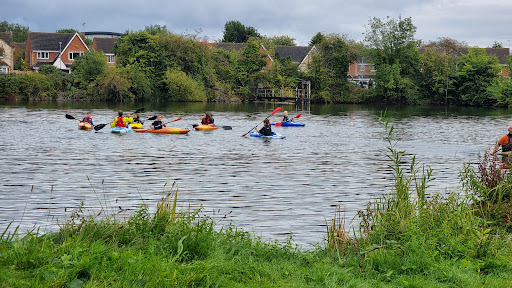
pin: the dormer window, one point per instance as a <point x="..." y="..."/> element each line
<point x="74" y="55"/>
<point x="43" y="55"/>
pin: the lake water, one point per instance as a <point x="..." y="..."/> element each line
<point x="272" y="188"/>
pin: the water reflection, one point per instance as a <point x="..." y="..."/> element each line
<point x="271" y="187"/>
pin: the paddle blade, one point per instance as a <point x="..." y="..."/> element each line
<point x="275" y="111"/>
<point x="298" y="116"/>
<point x="70" y="117"/>
<point x="140" y="110"/>
<point x="176" y="120"/>
<point x="278" y="124"/>
<point x="227" y="127"/>
<point x="99" y="127"/>
<point x="152" y="118"/>
<point x="194" y="125"/>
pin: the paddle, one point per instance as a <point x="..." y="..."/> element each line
<point x="223" y="127"/>
<point x="273" y="112"/>
<point x="71" y="117"/>
<point x="280" y="123"/>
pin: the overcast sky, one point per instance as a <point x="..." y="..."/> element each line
<point x="476" y="22"/>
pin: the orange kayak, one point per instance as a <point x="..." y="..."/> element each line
<point x="166" y="130"/>
<point x="206" y="127"/>
<point x="84" y="126"/>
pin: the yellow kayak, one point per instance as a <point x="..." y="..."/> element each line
<point x="136" y="125"/>
<point x="206" y="127"/>
<point x="84" y="126"/>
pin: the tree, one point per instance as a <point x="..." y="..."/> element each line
<point x="477" y="73"/>
<point x="336" y="56"/>
<point x="19" y="32"/>
<point x="182" y="87"/>
<point x="236" y="32"/>
<point x="88" y="66"/>
<point x="317" y="39"/>
<point x="67" y="30"/>
<point x="278" y="41"/>
<point x="155" y="29"/>
<point x="396" y="57"/>
<point x="497" y="44"/>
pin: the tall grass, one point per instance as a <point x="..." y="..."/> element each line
<point x="410" y="235"/>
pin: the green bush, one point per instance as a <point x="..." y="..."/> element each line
<point x="182" y="87"/>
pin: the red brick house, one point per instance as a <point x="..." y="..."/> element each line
<point x="6" y="53"/>
<point x="106" y="45"/>
<point x="57" y="49"/>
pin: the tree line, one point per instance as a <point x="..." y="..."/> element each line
<point x="157" y="64"/>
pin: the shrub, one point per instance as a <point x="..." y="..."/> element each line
<point x="183" y="88"/>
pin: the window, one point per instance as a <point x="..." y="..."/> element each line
<point x="43" y="55"/>
<point x="74" y="55"/>
<point x="111" y="59"/>
<point x="362" y="68"/>
<point x="3" y="70"/>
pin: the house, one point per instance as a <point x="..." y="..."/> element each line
<point x="106" y="45"/>
<point x="102" y="34"/>
<point x="238" y="48"/>
<point x="6" y="52"/>
<point x="300" y="55"/>
<point x="57" y="49"/>
<point x="361" y="71"/>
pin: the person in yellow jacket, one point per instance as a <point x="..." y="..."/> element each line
<point x="121" y="121"/>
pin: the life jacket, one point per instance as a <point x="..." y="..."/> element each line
<point x="508" y="146"/>
<point x="120" y="122"/>
<point x="87" y="119"/>
<point x="207" y="121"/>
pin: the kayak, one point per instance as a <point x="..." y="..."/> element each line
<point x="167" y="130"/>
<point x="273" y="136"/>
<point x="206" y="127"/>
<point x="136" y="125"/>
<point x="121" y="130"/>
<point x="291" y="124"/>
<point x="84" y="126"/>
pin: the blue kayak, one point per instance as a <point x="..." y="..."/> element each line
<point x="291" y="124"/>
<point x="121" y="130"/>
<point x="273" y="136"/>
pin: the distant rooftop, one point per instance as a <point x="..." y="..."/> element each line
<point x="104" y="34"/>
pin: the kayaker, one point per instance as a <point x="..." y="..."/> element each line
<point x="266" y="130"/>
<point x="136" y="118"/>
<point x="285" y="117"/>
<point x="88" y="119"/>
<point x="207" y="119"/>
<point x="504" y="142"/>
<point x="157" y="124"/>
<point x="121" y="121"/>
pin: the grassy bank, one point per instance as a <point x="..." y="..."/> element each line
<point x="409" y="238"/>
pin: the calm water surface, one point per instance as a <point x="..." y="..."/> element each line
<point x="272" y="188"/>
